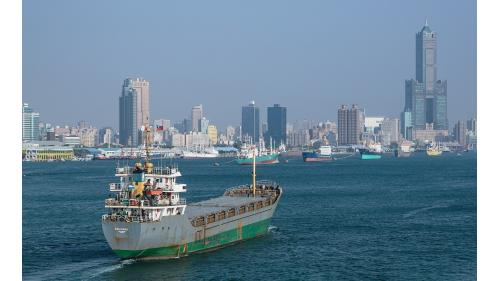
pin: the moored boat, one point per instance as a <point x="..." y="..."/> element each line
<point x="432" y="151"/>
<point x="262" y="155"/>
<point x="367" y="154"/>
<point x="324" y="153"/>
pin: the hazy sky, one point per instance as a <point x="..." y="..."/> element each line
<point x="310" y="56"/>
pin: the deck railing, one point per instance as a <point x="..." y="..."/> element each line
<point x="126" y="218"/>
<point x="141" y="203"/>
<point x="156" y="170"/>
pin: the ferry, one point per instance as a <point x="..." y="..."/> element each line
<point x="148" y="218"/>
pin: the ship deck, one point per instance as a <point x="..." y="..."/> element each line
<point x="218" y="204"/>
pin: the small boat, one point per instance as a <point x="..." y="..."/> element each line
<point x="434" y="151"/>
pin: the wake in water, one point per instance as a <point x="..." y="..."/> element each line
<point x="110" y="268"/>
<point x="272" y="229"/>
<point x="414" y="212"/>
<point x="80" y="271"/>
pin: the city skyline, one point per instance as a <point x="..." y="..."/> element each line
<point x="298" y="58"/>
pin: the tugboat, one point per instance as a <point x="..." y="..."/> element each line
<point x="148" y="219"/>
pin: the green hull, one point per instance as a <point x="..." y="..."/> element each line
<point x="370" y="156"/>
<point x="216" y="241"/>
<point x="264" y="159"/>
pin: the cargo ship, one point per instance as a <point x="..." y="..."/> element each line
<point x="324" y="153"/>
<point x="148" y="219"/>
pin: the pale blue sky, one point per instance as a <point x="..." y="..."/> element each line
<point x="310" y="56"/>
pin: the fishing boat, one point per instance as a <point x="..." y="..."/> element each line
<point x="372" y="152"/>
<point x="261" y="154"/>
<point x="434" y="151"/>
<point x="148" y="218"/>
<point x="367" y="154"/>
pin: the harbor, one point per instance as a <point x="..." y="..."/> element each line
<point x="339" y="214"/>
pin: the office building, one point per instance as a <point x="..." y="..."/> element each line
<point x="106" y="136"/>
<point x="460" y="132"/>
<point x="276" y="125"/>
<point x="134" y="110"/>
<point x="406" y="125"/>
<point x="250" y="123"/>
<point x="212" y="134"/>
<point x="196" y="115"/>
<point x="204" y="125"/>
<point x="390" y="131"/>
<point x="342" y="116"/>
<point x="31" y="124"/>
<point x="350" y="123"/>
<point x="472" y="126"/>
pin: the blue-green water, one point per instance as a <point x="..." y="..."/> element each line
<point x="389" y="219"/>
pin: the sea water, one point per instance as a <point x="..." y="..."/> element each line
<point x="389" y="219"/>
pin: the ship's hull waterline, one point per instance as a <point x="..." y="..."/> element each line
<point x="365" y="156"/>
<point x="176" y="237"/>
<point x="259" y="160"/>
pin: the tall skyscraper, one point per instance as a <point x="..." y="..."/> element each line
<point x="250" y="122"/>
<point x="425" y="96"/>
<point x="276" y="125"/>
<point x="134" y="110"/>
<point x="342" y="116"/>
<point x="355" y="124"/>
<point x="31" y="124"/>
<point x="196" y="115"/>
<point x="350" y="125"/>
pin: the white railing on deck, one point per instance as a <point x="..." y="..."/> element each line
<point x="115" y="186"/>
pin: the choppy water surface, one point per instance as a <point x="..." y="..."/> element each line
<point x="390" y="219"/>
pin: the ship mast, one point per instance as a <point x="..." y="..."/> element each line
<point x="148" y="155"/>
<point x="253" y="174"/>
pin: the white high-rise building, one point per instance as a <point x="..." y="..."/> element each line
<point x="31" y="124"/>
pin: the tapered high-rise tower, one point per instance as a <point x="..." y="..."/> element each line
<point x="425" y="96"/>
